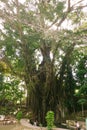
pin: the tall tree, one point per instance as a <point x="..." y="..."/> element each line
<point x="37" y="26"/>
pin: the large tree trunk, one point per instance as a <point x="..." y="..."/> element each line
<point x="48" y="100"/>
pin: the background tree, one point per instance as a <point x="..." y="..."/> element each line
<point x="82" y="81"/>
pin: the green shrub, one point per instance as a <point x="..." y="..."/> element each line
<point x="3" y="110"/>
<point x="19" y="115"/>
<point x="50" y="119"/>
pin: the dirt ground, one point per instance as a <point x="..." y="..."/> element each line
<point x="20" y="127"/>
<point x="13" y="127"/>
<point x="24" y="125"/>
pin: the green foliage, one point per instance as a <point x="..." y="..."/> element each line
<point x="82" y="101"/>
<point x="50" y="119"/>
<point x="76" y="16"/>
<point x="59" y="8"/>
<point x="3" y="111"/>
<point x="82" y="76"/>
<point x="83" y="90"/>
<point x="49" y="10"/>
<point x="10" y="91"/>
<point x="19" y="115"/>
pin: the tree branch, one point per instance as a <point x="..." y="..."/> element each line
<point x="69" y="5"/>
<point x="69" y="9"/>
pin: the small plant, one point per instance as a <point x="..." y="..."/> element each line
<point x="50" y="119"/>
<point x="19" y="115"/>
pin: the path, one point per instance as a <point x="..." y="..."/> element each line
<point x="25" y="122"/>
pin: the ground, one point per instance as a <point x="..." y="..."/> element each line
<point x="18" y="127"/>
<point x="14" y="127"/>
<point x="24" y="125"/>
